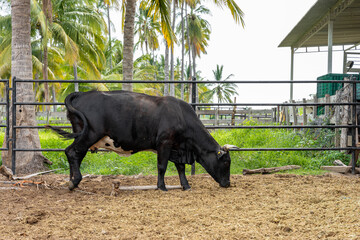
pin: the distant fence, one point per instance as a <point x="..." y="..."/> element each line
<point x="214" y="117"/>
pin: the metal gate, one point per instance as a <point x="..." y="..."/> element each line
<point x="353" y="126"/>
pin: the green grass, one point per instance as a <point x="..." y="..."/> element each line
<point x="145" y="162"/>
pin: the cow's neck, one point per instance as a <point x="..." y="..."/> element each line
<point x="202" y="141"/>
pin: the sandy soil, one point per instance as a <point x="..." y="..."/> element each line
<point x="255" y="207"/>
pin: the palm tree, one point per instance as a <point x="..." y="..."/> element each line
<point x="5" y="46"/>
<point x="223" y="91"/>
<point x="155" y="7"/>
<point x="78" y="25"/>
<point x="108" y="4"/>
<point x="147" y="28"/>
<point x="21" y="67"/>
<point x="161" y="7"/>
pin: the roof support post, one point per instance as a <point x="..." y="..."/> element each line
<point x="292" y="74"/>
<point x="330" y="44"/>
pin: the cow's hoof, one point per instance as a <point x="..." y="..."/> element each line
<point x="164" y="189"/>
<point x="186" y="188"/>
<point x="71" y="186"/>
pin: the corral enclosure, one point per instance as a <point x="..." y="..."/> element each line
<point x="280" y="206"/>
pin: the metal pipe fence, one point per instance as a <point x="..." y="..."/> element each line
<point x="353" y="126"/>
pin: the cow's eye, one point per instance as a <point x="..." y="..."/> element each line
<point x="227" y="163"/>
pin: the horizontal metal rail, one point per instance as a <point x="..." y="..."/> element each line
<point x="223" y="104"/>
<point x="237" y="150"/>
<point x="237" y="127"/>
<point x="190" y="81"/>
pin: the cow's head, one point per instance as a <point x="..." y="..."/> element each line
<point x="217" y="164"/>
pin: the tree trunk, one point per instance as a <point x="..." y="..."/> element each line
<point x="194" y="73"/>
<point x="76" y="77"/>
<point x="54" y="96"/>
<point x="166" y="70"/>
<point x="189" y="52"/>
<point x="182" y="49"/>
<point x="21" y="67"/>
<point x="47" y="9"/>
<point x="45" y="76"/>
<point x="128" y="43"/>
<point x="172" y="78"/>
<point x="109" y="27"/>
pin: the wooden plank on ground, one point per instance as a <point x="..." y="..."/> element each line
<point x="147" y="187"/>
<point x="270" y="170"/>
<point x="338" y="169"/>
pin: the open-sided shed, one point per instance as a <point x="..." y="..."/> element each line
<point x="327" y="24"/>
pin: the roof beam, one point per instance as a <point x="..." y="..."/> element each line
<point x="340" y="6"/>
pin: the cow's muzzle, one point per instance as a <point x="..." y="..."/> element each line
<point x="225" y="185"/>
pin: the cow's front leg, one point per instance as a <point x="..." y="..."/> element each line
<point x="162" y="162"/>
<point x="181" y="170"/>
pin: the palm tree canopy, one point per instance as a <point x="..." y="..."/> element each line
<point x="223" y="90"/>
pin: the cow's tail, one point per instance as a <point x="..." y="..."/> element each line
<point x="71" y="110"/>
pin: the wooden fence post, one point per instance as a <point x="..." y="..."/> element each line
<point x="327" y="107"/>
<point x="233" y="114"/>
<point x="337" y="119"/>
<point x="315" y="107"/>
<point x="294" y="113"/>
<point x="345" y="115"/>
<point x="273" y="114"/>
<point x="287" y="115"/>
<point x="304" y="113"/>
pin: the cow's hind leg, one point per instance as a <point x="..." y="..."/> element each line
<point x="75" y="156"/>
<point x="162" y="162"/>
<point x="181" y="170"/>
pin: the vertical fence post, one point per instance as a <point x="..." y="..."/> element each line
<point x="193" y="100"/>
<point x="13" y="129"/>
<point x="7" y="133"/>
<point x="327" y="107"/>
<point x="353" y="129"/>
<point x="304" y="113"/>
<point x="294" y="113"/>
<point x="315" y="107"/>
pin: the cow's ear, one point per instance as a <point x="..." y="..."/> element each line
<point x="220" y="153"/>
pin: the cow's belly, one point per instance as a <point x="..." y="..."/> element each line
<point x="108" y="144"/>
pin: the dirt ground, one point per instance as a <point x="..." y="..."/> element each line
<point x="279" y="206"/>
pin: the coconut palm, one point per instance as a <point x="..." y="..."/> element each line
<point x="21" y="67"/>
<point x="223" y="90"/>
<point x="155" y="7"/>
<point x="5" y="46"/>
<point x="147" y="28"/>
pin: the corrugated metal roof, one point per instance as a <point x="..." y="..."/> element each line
<point x="311" y="31"/>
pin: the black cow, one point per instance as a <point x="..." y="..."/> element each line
<point x="128" y="122"/>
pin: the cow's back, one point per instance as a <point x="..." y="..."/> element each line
<point x="135" y="121"/>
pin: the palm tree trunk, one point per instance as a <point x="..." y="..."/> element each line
<point x="182" y="49"/>
<point x="108" y="15"/>
<point x="45" y="75"/>
<point x="76" y="77"/>
<point x="47" y="9"/>
<point x="54" y="96"/>
<point x="21" y="67"/>
<point x="166" y="70"/>
<point x="128" y="43"/>
<point x="194" y="72"/>
<point x="172" y="86"/>
<point x="189" y="52"/>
